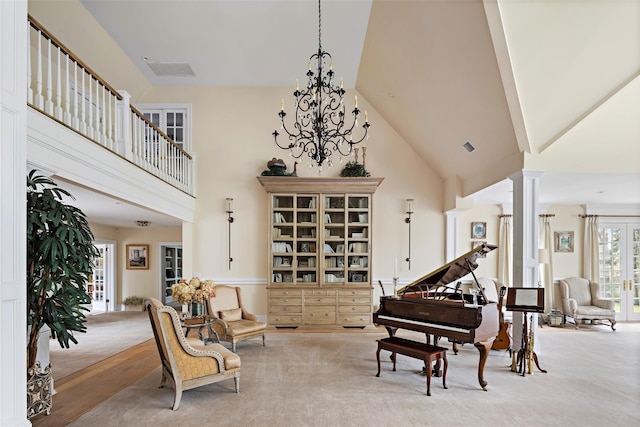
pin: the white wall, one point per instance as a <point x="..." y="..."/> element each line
<point x="232" y="142"/>
<point x="142" y="283"/>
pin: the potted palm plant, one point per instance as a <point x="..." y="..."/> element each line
<point x="60" y="255"/>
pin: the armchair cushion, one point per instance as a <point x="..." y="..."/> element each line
<point x="232" y="315"/>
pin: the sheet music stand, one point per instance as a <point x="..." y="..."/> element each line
<point x="525" y="300"/>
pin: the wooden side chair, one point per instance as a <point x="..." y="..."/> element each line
<point x="188" y="366"/>
<point x="235" y="322"/>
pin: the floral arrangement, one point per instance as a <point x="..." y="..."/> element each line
<point x="193" y="291"/>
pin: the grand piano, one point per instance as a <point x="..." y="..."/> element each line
<point x="433" y="304"/>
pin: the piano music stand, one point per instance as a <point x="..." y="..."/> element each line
<point x="525" y="300"/>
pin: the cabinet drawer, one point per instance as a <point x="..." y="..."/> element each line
<point x="320" y="315"/>
<point x="285" y="300"/>
<point x="354" y="319"/>
<point x="285" y="292"/>
<point x="354" y="292"/>
<point x="354" y="309"/>
<point x="319" y="292"/>
<point x="284" y="320"/>
<point x="285" y="309"/>
<point x="315" y="300"/>
<point x="354" y="300"/>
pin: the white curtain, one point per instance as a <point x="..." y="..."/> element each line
<point x="505" y="251"/>
<point x="545" y="242"/>
<point x="591" y="250"/>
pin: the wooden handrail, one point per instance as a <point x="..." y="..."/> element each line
<point x="35" y="24"/>
<point x="160" y="132"/>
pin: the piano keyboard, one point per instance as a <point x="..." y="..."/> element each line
<point x="427" y="324"/>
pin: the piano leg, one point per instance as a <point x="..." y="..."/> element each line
<point x="483" y="347"/>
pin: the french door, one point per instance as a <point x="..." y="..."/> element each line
<point x="102" y="283"/>
<point x="620" y="267"/>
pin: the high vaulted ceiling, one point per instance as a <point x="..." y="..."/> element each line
<point x="517" y="79"/>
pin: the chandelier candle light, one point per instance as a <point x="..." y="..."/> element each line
<point x="320" y="129"/>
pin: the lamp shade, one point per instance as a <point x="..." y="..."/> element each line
<point x="543" y="256"/>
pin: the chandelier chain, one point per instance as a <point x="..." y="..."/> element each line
<point x="319" y="27"/>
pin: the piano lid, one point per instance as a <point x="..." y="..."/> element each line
<point x="449" y="273"/>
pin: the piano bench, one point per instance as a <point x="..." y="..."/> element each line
<point x="428" y="353"/>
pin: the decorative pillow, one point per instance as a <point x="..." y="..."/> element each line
<point x="231" y="315"/>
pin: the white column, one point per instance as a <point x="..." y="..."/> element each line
<point x="123" y="126"/>
<point x="451" y="249"/>
<point x="13" y="161"/>
<point x="525" y="242"/>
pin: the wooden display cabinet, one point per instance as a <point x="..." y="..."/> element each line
<point x="319" y="251"/>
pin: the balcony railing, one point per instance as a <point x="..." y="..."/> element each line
<point x="62" y="87"/>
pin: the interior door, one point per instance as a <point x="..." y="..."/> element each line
<point x="97" y="288"/>
<point x="620" y="267"/>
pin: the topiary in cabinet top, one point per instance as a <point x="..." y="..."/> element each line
<point x="60" y="256"/>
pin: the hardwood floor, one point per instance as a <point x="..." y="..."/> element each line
<point x="83" y="390"/>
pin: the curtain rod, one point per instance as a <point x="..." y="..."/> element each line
<point x="505" y="216"/>
<point x="609" y="216"/>
<point x="547" y="215"/>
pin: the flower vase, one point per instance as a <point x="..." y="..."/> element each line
<point x="196" y="309"/>
<point x="185" y="311"/>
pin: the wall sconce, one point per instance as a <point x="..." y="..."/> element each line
<point x="409" y="211"/>
<point x="229" y="210"/>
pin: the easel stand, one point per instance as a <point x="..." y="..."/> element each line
<point x="526" y="356"/>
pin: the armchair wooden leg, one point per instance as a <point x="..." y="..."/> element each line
<point x="237" y="381"/>
<point x="263" y="340"/>
<point x="176" y="400"/>
<point x="613" y="324"/>
<point x="233" y="346"/>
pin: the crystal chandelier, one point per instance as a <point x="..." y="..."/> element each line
<point x="320" y="129"/>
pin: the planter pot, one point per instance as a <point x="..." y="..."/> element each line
<point x="38" y="390"/>
<point x="137" y="307"/>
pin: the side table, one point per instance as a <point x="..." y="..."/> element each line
<point x="201" y="323"/>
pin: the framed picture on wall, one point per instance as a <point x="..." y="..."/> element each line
<point x="476" y="244"/>
<point x="478" y="230"/>
<point x="137" y="257"/>
<point x="563" y="241"/>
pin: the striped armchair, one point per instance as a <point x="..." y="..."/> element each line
<point x="188" y="365"/>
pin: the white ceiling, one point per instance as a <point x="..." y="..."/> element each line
<point x="430" y="68"/>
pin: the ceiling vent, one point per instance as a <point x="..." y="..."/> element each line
<point x="164" y="69"/>
<point x="467" y="146"/>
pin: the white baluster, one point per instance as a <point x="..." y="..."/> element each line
<point x="83" y="107"/>
<point x="29" y="70"/>
<point x="109" y="132"/>
<point x="58" y="108"/>
<point x="48" y="102"/>
<point x="76" y="112"/>
<point x="103" y="119"/>
<point x="39" y="97"/>
<point x="67" y="104"/>
<point x="90" y="107"/>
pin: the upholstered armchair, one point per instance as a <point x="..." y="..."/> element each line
<point x="581" y="301"/>
<point x="235" y="323"/>
<point x="188" y="366"/>
<point x="492" y="291"/>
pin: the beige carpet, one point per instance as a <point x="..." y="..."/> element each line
<point x="107" y="334"/>
<point x="328" y="379"/>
